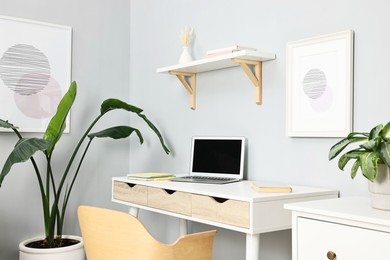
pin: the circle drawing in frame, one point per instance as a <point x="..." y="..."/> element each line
<point x="315" y="86"/>
<point x="23" y="61"/>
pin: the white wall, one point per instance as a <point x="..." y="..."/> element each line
<point x="225" y="106"/>
<point x="225" y="99"/>
<point x="100" y="67"/>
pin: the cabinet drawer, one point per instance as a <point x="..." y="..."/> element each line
<point x="316" y="238"/>
<point x="174" y="201"/>
<point x="129" y="192"/>
<point x="232" y="212"/>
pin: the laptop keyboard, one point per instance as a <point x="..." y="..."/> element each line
<point x="208" y="178"/>
<point x="205" y="179"/>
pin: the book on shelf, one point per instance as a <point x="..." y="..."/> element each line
<point x="261" y="187"/>
<point x="226" y="50"/>
<point x="150" y="176"/>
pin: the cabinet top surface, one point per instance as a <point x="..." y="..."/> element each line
<point x="349" y="208"/>
<point x="238" y="190"/>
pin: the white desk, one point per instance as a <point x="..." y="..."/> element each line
<point x="233" y="206"/>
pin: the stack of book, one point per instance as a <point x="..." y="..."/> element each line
<point x="260" y="187"/>
<point x="231" y="49"/>
<point x="150" y="176"/>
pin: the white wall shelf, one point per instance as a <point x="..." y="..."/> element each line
<point x="250" y="62"/>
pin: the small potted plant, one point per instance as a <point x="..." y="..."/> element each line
<point x="55" y="189"/>
<point x="372" y="157"/>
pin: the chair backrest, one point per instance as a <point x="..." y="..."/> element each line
<point x="115" y="235"/>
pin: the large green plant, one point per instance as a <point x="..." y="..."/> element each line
<point x="374" y="149"/>
<point x="55" y="195"/>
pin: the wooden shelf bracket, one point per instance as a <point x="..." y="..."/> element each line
<point x="188" y="79"/>
<point x="253" y="70"/>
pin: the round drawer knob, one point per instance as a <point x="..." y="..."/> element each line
<point x="331" y="255"/>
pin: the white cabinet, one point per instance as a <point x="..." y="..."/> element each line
<point x="340" y="229"/>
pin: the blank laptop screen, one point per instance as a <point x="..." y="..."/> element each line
<point x="218" y="155"/>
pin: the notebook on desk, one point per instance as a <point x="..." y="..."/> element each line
<point x="216" y="160"/>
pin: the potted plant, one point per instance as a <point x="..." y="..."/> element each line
<point x="55" y="189"/>
<point x="372" y="157"/>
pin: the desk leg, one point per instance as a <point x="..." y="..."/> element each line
<point x="252" y="246"/>
<point x="134" y="211"/>
<point x="183" y="227"/>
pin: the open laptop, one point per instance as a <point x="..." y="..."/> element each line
<point x="216" y="160"/>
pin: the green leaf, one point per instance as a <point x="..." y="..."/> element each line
<point x="374" y="133"/>
<point x="155" y="130"/>
<point x="57" y="123"/>
<point x="371" y="145"/>
<point x="355" y="168"/>
<point x="344" y="159"/>
<point x="339" y="147"/>
<point x="369" y="165"/>
<point x="112" y="103"/>
<point x="386" y="128"/>
<point x="23" y="151"/>
<point x="385" y="132"/>
<point x="384" y="153"/>
<point x="355" y="154"/>
<point x="5" y="124"/>
<point x="358" y="134"/>
<point x="117" y="132"/>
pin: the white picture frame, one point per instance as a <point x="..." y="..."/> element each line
<point x="320" y="86"/>
<point x="35" y="71"/>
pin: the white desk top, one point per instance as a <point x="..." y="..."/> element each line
<point x="238" y="190"/>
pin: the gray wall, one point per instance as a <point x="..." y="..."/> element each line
<point x="225" y="99"/>
<point x="101" y="35"/>
<point x="225" y="106"/>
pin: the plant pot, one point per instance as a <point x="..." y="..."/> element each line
<point x="380" y="189"/>
<point x="74" y="252"/>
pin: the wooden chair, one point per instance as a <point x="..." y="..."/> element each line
<point x="114" y="235"/>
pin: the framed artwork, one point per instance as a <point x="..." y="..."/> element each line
<point x="319" y="86"/>
<point x="35" y="71"/>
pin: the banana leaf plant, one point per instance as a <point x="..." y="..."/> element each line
<point x="55" y="195"/>
<point x="374" y="148"/>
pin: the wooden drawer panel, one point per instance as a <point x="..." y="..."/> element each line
<point x="232" y="212"/>
<point x="129" y="192"/>
<point x="174" y="201"/>
<point x="316" y="238"/>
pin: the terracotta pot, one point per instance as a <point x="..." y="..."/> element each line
<point x="380" y="189"/>
<point x="75" y="252"/>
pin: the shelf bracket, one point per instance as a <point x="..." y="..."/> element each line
<point x="254" y="75"/>
<point x="188" y="79"/>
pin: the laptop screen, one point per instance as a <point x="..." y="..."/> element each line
<point x="218" y="156"/>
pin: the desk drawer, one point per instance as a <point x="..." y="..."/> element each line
<point x="232" y="212"/>
<point x="129" y="192"/>
<point x="174" y="201"/>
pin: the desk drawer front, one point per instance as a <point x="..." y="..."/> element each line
<point x="132" y="193"/>
<point x="316" y="238"/>
<point x="174" y="201"/>
<point x="232" y="212"/>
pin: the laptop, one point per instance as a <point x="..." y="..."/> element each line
<point x="216" y="160"/>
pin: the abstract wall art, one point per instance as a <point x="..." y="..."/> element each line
<point x="319" y="86"/>
<point x="35" y="71"/>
